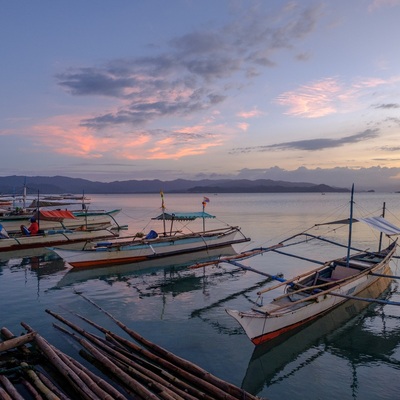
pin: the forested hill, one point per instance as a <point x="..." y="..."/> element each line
<point x="61" y="184"/>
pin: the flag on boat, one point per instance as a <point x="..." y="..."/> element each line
<point x="206" y="200"/>
<point x="162" y="199"/>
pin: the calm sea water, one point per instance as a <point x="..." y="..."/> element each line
<point x="184" y="310"/>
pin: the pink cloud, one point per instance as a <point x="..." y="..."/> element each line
<point x="64" y="136"/>
<point x="312" y="101"/>
<point x="329" y="96"/>
<point x="376" y="4"/>
<point x="249" y="114"/>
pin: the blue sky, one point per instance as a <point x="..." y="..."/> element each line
<point x="116" y="90"/>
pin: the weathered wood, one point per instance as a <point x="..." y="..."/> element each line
<point x="40" y="386"/>
<point x="187" y="366"/>
<point x="35" y="394"/>
<point x="64" y="370"/>
<point x="89" y="382"/>
<point x="4" y="395"/>
<point x="125" y="378"/>
<point x="52" y="386"/>
<point x="184" y="389"/>
<point x="145" y="374"/>
<point x="205" y="385"/>
<point x="16" y="342"/>
<point x="7" y="334"/>
<point x="141" y="362"/>
<point x="10" y="388"/>
<point x="99" y="381"/>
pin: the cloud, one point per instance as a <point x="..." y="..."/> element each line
<point x="376" y="4"/>
<point x="63" y="136"/>
<point x="195" y="72"/>
<point x="310" y="144"/>
<point x="388" y="106"/>
<point x="330" y="96"/>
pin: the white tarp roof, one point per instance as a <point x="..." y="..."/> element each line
<point x="381" y="224"/>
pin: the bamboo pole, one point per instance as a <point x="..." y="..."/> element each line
<point x="35" y="394"/>
<point x="288" y="281"/>
<point x="4" y="395"/>
<point x="171" y="381"/>
<point x="65" y="371"/>
<point x="241" y="256"/>
<point x="91" y="384"/>
<point x="99" y="381"/>
<point x="122" y="376"/>
<point x="40" y="386"/>
<point x="52" y="386"/>
<point x="8" y="335"/>
<point x="184" y="364"/>
<point x="163" y="391"/>
<point x="186" y="376"/>
<point x="10" y="388"/>
<point x="18" y="341"/>
<point x="122" y="356"/>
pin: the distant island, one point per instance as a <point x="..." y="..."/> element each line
<point x="60" y="185"/>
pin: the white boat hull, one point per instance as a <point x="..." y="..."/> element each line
<point x="144" y="250"/>
<point x="276" y="318"/>
<point x="18" y="245"/>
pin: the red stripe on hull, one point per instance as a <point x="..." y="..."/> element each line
<point x="272" y="335"/>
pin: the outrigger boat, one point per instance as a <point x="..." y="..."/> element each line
<point x="157" y="246"/>
<point x="15" y="244"/>
<point x="81" y="219"/>
<point x="314" y="293"/>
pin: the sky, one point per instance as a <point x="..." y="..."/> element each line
<point x="303" y="91"/>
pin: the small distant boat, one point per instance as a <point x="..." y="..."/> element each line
<point x="156" y="246"/>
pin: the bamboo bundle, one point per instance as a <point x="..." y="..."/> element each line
<point x="185" y="365"/>
<point x="142" y="370"/>
<point x="177" y="374"/>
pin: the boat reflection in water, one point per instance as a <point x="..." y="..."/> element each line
<point x="335" y="333"/>
<point x="77" y="275"/>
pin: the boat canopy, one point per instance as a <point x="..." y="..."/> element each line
<point x="55" y="215"/>
<point x="188" y="216"/>
<point x="378" y="223"/>
<point x="382" y="225"/>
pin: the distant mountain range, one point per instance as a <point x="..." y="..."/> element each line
<point x="62" y="185"/>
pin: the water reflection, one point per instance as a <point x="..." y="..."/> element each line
<point x="41" y="266"/>
<point x="344" y="333"/>
<point x="123" y="272"/>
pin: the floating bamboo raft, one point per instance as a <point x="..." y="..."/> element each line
<point x="32" y="368"/>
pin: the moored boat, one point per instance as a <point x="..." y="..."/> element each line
<point x="314" y="293"/>
<point x="80" y="218"/>
<point x="146" y="249"/>
<point x="157" y="246"/>
<point x="18" y="244"/>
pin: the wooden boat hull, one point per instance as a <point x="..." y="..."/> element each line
<point x="275" y="319"/>
<point x="90" y="220"/>
<point x="271" y="358"/>
<point x="145" y="250"/>
<point x="13" y="246"/>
